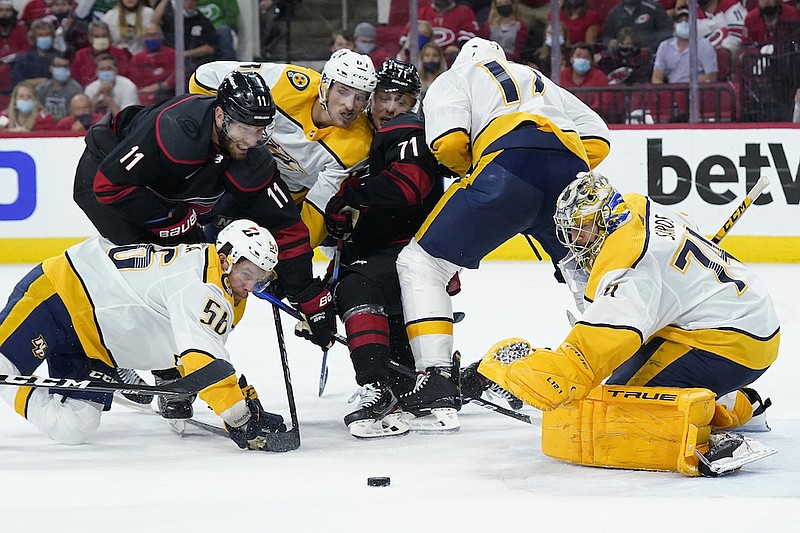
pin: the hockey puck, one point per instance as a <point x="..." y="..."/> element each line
<point x="378" y="481"/>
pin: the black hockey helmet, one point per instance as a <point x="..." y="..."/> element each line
<point x="396" y="76"/>
<point x="245" y="97"/>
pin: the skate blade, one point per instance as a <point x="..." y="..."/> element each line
<point x="439" y="421"/>
<point x="177" y="425"/>
<point x="756" y="451"/>
<point x="389" y="426"/>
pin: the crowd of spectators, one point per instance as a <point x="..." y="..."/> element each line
<point x="64" y="63"/>
<point x="115" y="53"/>
<point x="603" y="43"/>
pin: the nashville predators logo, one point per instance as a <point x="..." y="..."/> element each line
<point x="39" y="347"/>
<point x="298" y="80"/>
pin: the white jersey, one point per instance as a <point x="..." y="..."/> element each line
<point x="657" y="276"/>
<point x="145" y="306"/>
<point x="725" y="26"/>
<point x="489" y="98"/>
<point x="313" y="161"/>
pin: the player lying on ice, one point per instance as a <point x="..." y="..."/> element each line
<point x="100" y="306"/>
<point x="671" y="322"/>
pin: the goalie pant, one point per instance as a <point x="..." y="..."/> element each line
<point x="77" y="312"/>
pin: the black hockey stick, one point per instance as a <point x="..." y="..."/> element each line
<point x="215" y="371"/>
<point x="522" y="417"/>
<point x="751" y="197"/>
<point x="288" y="440"/>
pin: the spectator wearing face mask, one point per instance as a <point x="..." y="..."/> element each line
<point x="762" y="21"/>
<point x="24" y="111"/>
<point x="364" y="36"/>
<point x="424" y="35"/>
<point x="453" y="24"/>
<point x="431" y="65"/>
<point x="541" y="57"/>
<point x="648" y="20"/>
<point x="83" y="64"/>
<point x="200" y="38"/>
<point x="153" y="69"/>
<point x="583" y="74"/>
<point x="80" y="115"/>
<point x="628" y="62"/>
<point x="34" y="66"/>
<point x="672" y="57"/>
<point x="13" y="41"/>
<point x="56" y="93"/>
<point x="505" y="27"/>
<point x="583" y="23"/>
<point x="111" y="92"/>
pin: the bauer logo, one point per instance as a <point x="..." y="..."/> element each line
<point x="17" y="186"/>
<point x="717" y="177"/>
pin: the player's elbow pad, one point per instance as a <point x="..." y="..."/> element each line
<point x="452" y="150"/>
<point x="596" y="150"/>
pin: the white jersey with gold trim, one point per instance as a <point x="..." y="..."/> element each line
<point x="313" y="161"/>
<point x="148" y="303"/>
<point x="658" y="276"/>
<point x="489" y="98"/>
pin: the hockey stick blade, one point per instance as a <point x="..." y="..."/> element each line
<point x="323" y="374"/>
<point x="215" y="371"/>
<point x="498" y="409"/>
<point x="751" y="197"/>
<point x="284" y="441"/>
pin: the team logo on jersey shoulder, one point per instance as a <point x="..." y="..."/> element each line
<point x="298" y="80"/>
<point x="226" y="285"/>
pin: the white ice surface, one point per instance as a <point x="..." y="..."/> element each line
<point x="137" y="476"/>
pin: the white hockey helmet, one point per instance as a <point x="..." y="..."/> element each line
<point x="245" y="239"/>
<point x="348" y="68"/>
<point x="587" y="211"/>
<point x="476" y="50"/>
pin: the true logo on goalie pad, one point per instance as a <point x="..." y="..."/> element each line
<point x="643" y="395"/>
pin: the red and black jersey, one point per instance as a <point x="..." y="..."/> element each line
<point x="403" y="185"/>
<point x="165" y="158"/>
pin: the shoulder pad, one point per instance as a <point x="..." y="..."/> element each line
<point x="183" y="129"/>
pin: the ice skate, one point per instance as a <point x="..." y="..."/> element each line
<point x="173" y="407"/>
<point x="730" y="451"/>
<point x="432" y="405"/>
<point x="377" y="415"/>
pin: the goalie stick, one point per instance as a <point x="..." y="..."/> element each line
<point x="215" y="371"/>
<point x="751" y="197"/>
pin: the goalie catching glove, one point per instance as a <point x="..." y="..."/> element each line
<point x="250" y="434"/>
<point x="316" y="303"/>
<point x="543" y="378"/>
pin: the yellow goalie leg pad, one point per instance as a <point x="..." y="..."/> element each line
<point x="641" y="428"/>
<point x="545" y="378"/>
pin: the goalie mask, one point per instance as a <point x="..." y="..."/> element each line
<point x="587" y="211"/>
<point x="245" y="239"/>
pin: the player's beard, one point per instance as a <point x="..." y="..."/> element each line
<point x="229" y="146"/>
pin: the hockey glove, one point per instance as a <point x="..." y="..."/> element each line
<point x="316" y="303"/>
<point x="180" y="225"/>
<point x="251" y="434"/>
<point x="340" y="218"/>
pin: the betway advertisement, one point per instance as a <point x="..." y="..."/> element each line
<point x="704" y="172"/>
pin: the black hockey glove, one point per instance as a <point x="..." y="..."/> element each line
<point x="316" y="303"/>
<point x="251" y="434"/>
<point x="180" y="225"/>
